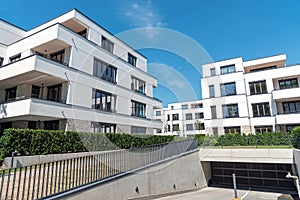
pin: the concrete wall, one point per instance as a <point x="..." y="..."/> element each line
<point x="181" y="174"/>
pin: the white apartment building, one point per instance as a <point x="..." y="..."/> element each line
<point x="71" y="74"/>
<point x="251" y="96"/>
<point x="182" y="119"/>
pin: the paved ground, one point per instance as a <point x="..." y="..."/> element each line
<point x="212" y="193"/>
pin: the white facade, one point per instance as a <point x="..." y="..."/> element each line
<point x="70" y="73"/>
<point x="251" y="96"/>
<point x="182" y="119"/>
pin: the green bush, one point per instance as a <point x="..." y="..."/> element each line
<point x="41" y="142"/>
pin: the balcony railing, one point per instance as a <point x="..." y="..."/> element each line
<point x="20" y="98"/>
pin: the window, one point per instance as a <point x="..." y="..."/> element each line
<point x="169" y="128"/>
<point x="103" y="101"/>
<point x="227" y="69"/>
<point x="289" y="83"/>
<point x="99" y="127"/>
<point x="184" y="107"/>
<point x="58" y="56"/>
<point x="1" y="61"/>
<point x="131" y="59"/>
<point x="199" y="126"/>
<point x="32" y="124"/>
<point x="189" y="127"/>
<point x="261" y="109"/>
<point x="199" y="115"/>
<point x="291" y="107"/>
<point x="189" y="116"/>
<point x="138" y="130"/>
<point x="198" y="105"/>
<point x="10" y="94"/>
<point x="54" y="93"/>
<point x="168" y="119"/>
<point x="158" y="130"/>
<point x="213" y="112"/>
<point x="233" y="129"/>
<point x="230" y="111"/>
<point x="172" y="107"/>
<point x="212" y="71"/>
<point x="258" y="87"/>
<point x="175" y="116"/>
<point x="228" y="89"/>
<point x="15" y="58"/>
<point x="107" y="44"/>
<point x="138" y="85"/>
<point x="104" y="71"/>
<point x="175" y="127"/>
<point x="291" y="126"/>
<point x="211" y="91"/>
<point x="263" y="129"/>
<point x="51" y="125"/>
<point x="158" y="113"/>
<point x="35" y="91"/>
<point x="138" y="109"/>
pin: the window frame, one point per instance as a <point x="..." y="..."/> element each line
<point x="9" y="96"/>
<point x="56" y="96"/>
<point x="226" y="87"/>
<point x="286" y="86"/>
<point x="211" y="91"/>
<point x="258" y="87"/>
<point x="230" y="110"/>
<point x="189" y="116"/>
<point x="138" y="85"/>
<point x="138" y="109"/>
<point x="15" y="58"/>
<point x="132" y="60"/>
<point x="103" y="101"/>
<point x="227" y="69"/>
<point x="107" y="44"/>
<point x="264" y="107"/>
<point x="236" y="129"/>
<point x="189" y="127"/>
<point x="213" y="71"/>
<point x="105" y="71"/>
<point x="213" y="110"/>
<point x="175" y="117"/>
<point x="289" y="103"/>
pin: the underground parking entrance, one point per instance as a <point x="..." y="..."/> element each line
<point x="254" y="176"/>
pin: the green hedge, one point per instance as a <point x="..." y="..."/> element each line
<point x="260" y="139"/>
<point x="41" y="142"/>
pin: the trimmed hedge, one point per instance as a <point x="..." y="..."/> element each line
<point x="40" y="142"/>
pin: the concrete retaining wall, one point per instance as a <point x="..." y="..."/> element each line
<point x="20" y="161"/>
<point x="181" y="174"/>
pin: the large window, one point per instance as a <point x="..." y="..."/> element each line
<point x="54" y="93"/>
<point x="213" y="71"/>
<point x="58" y="56"/>
<point x="228" y="89"/>
<point x="199" y="126"/>
<point x="185" y="106"/>
<point x="213" y="112"/>
<point x="138" y="109"/>
<point x="227" y="69"/>
<point x="189" y="127"/>
<point x="261" y="109"/>
<point x="103" y="101"/>
<point x="138" y="85"/>
<point x="291" y="107"/>
<point x="199" y="115"/>
<point x="175" y="127"/>
<point x="51" y="125"/>
<point x="288" y="83"/>
<point x="99" y="127"/>
<point x="10" y="93"/>
<point x="15" y="58"/>
<point x="230" y="110"/>
<point x="233" y="129"/>
<point x="107" y="44"/>
<point x="211" y="91"/>
<point x="189" y="116"/>
<point x="258" y="87"/>
<point x="263" y="129"/>
<point x="104" y="71"/>
<point x="175" y="116"/>
<point x="131" y="59"/>
<point x="35" y="91"/>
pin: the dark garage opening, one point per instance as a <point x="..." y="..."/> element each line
<point x="259" y="176"/>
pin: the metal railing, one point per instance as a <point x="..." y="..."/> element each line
<point x="42" y="180"/>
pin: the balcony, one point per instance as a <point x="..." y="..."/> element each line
<point x="286" y="93"/>
<point x="288" y="118"/>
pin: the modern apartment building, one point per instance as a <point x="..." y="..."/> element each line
<point x="251" y="96"/>
<point x="71" y="74"/>
<point x="182" y="119"/>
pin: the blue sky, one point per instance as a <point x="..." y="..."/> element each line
<point x="222" y="28"/>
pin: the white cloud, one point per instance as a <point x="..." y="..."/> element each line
<point x="141" y="14"/>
